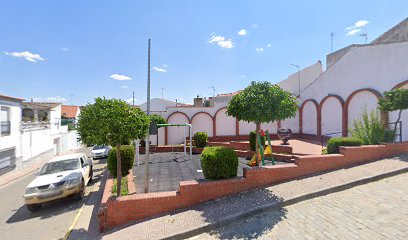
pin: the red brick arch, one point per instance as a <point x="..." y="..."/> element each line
<point x="384" y="115"/>
<point x="215" y="123"/>
<point x="212" y="119"/>
<point x="165" y="129"/>
<point x="301" y="114"/>
<point x="399" y="85"/>
<point x="319" y="113"/>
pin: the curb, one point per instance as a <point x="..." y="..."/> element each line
<point x="277" y="205"/>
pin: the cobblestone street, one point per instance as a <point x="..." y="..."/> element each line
<point x="377" y="210"/>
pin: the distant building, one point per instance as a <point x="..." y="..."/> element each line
<point x="69" y="114"/>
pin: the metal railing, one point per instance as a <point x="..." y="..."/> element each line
<point x="5" y="127"/>
<point x="398" y="132"/>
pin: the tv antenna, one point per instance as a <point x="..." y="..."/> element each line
<point x="331" y="41"/>
<point x="162" y="92"/>
<point x="365" y="35"/>
<point x="213" y="89"/>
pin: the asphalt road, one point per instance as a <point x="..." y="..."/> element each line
<point x="52" y="221"/>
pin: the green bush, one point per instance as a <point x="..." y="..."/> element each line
<point x="219" y="162"/>
<point x="124" y="189"/>
<point x="127" y="155"/>
<point x="252" y="140"/>
<point x="71" y="126"/>
<point x="200" y="139"/>
<point x="371" y="130"/>
<point x="334" y="143"/>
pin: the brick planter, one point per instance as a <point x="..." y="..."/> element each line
<point x="115" y="212"/>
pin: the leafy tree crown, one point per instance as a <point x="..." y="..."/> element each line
<point x="157" y="119"/>
<point x="111" y="121"/>
<point x="262" y="102"/>
<point x="396" y="99"/>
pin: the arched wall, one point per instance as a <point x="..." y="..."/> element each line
<point x="308" y="119"/>
<point x="271" y="127"/>
<point x="359" y="101"/>
<point x="292" y="123"/>
<point x="224" y="125"/>
<point x="331" y="115"/>
<point x="202" y="122"/>
<point x="246" y="127"/>
<point x="175" y="135"/>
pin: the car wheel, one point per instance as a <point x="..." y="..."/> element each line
<point x="90" y="175"/>
<point x="33" y="207"/>
<point x="81" y="193"/>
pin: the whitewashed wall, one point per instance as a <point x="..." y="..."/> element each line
<point x="176" y="134"/>
<point x="202" y="123"/>
<point x="225" y="125"/>
<point x="332" y="117"/>
<point x="309" y="124"/>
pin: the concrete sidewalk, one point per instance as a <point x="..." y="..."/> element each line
<point x="16" y="174"/>
<point x="204" y="217"/>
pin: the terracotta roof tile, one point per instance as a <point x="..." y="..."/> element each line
<point x="69" y="111"/>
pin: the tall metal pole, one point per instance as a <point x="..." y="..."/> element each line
<point x="298" y="73"/>
<point x="133" y="99"/>
<point x="148" y="113"/>
<point x="331" y="45"/>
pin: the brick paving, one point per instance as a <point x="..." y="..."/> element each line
<point x="211" y="212"/>
<point x="377" y="210"/>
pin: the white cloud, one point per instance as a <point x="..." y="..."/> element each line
<point x="268" y="45"/>
<point x="120" y="77"/>
<point x="130" y="100"/>
<point x="259" y="50"/>
<point x="358" y="24"/>
<point x="124" y="86"/>
<point x="159" y="69"/>
<point x="352" y="32"/>
<point x="64" y="49"/>
<point x="31" y="57"/>
<point x="220" y="40"/>
<point x="58" y="99"/>
<point x="242" y="32"/>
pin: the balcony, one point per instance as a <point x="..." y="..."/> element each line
<point x="27" y="125"/>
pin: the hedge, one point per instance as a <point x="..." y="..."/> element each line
<point x="252" y="140"/>
<point x="334" y="143"/>
<point x="200" y="139"/>
<point x="127" y="155"/>
<point x="219" y="162"/>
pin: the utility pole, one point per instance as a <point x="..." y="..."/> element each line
<point x="331" y="41"/>
<point x="162" y="92"/>
<point x="298" y="73"/>
<point x="133" y="99"/>
<point x="148" y="113"/>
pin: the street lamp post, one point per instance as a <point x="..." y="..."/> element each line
<point x="298" y="73"/>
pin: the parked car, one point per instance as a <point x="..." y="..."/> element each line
<point x="100" y="151"/>
<point x="61" y="177"/>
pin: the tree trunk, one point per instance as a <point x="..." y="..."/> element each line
<point x="258" y="155"/>
<point x="119" y="170"/>
<point x="396" y="122"/>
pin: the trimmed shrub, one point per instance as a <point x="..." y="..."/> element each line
<point x="334" y="143"/>
<point x="127" y="155"/>
<point x="200" y="139"/>
<point x="219" y="162"/>
<point x="252" y="140"/>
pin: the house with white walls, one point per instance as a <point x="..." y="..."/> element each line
<point x="31" y="131"/>
<point x="10" y="118"/>
<point x="329" y="100"/>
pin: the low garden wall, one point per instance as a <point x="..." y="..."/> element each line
<point x="115" y="212"/>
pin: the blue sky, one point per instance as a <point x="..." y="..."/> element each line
<point x="58" y="50"/>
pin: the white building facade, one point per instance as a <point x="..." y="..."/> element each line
<point x="329" y="101"/>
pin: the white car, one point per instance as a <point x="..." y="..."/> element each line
<point x="101" y="151"/>
<point x="61" y="177"/>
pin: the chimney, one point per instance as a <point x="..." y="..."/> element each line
<point x="198" y="102"/>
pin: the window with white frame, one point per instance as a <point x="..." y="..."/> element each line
<point x="5" y="126"/>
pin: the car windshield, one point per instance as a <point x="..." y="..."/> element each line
<point x="59" y="166"/>
<point x="98" y="147"/>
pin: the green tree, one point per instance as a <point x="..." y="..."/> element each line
<point x="157" y="119"/>
<point x="262" y="102"/>
<point x="394" y="100"/>
<point x="112" y="121"/>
